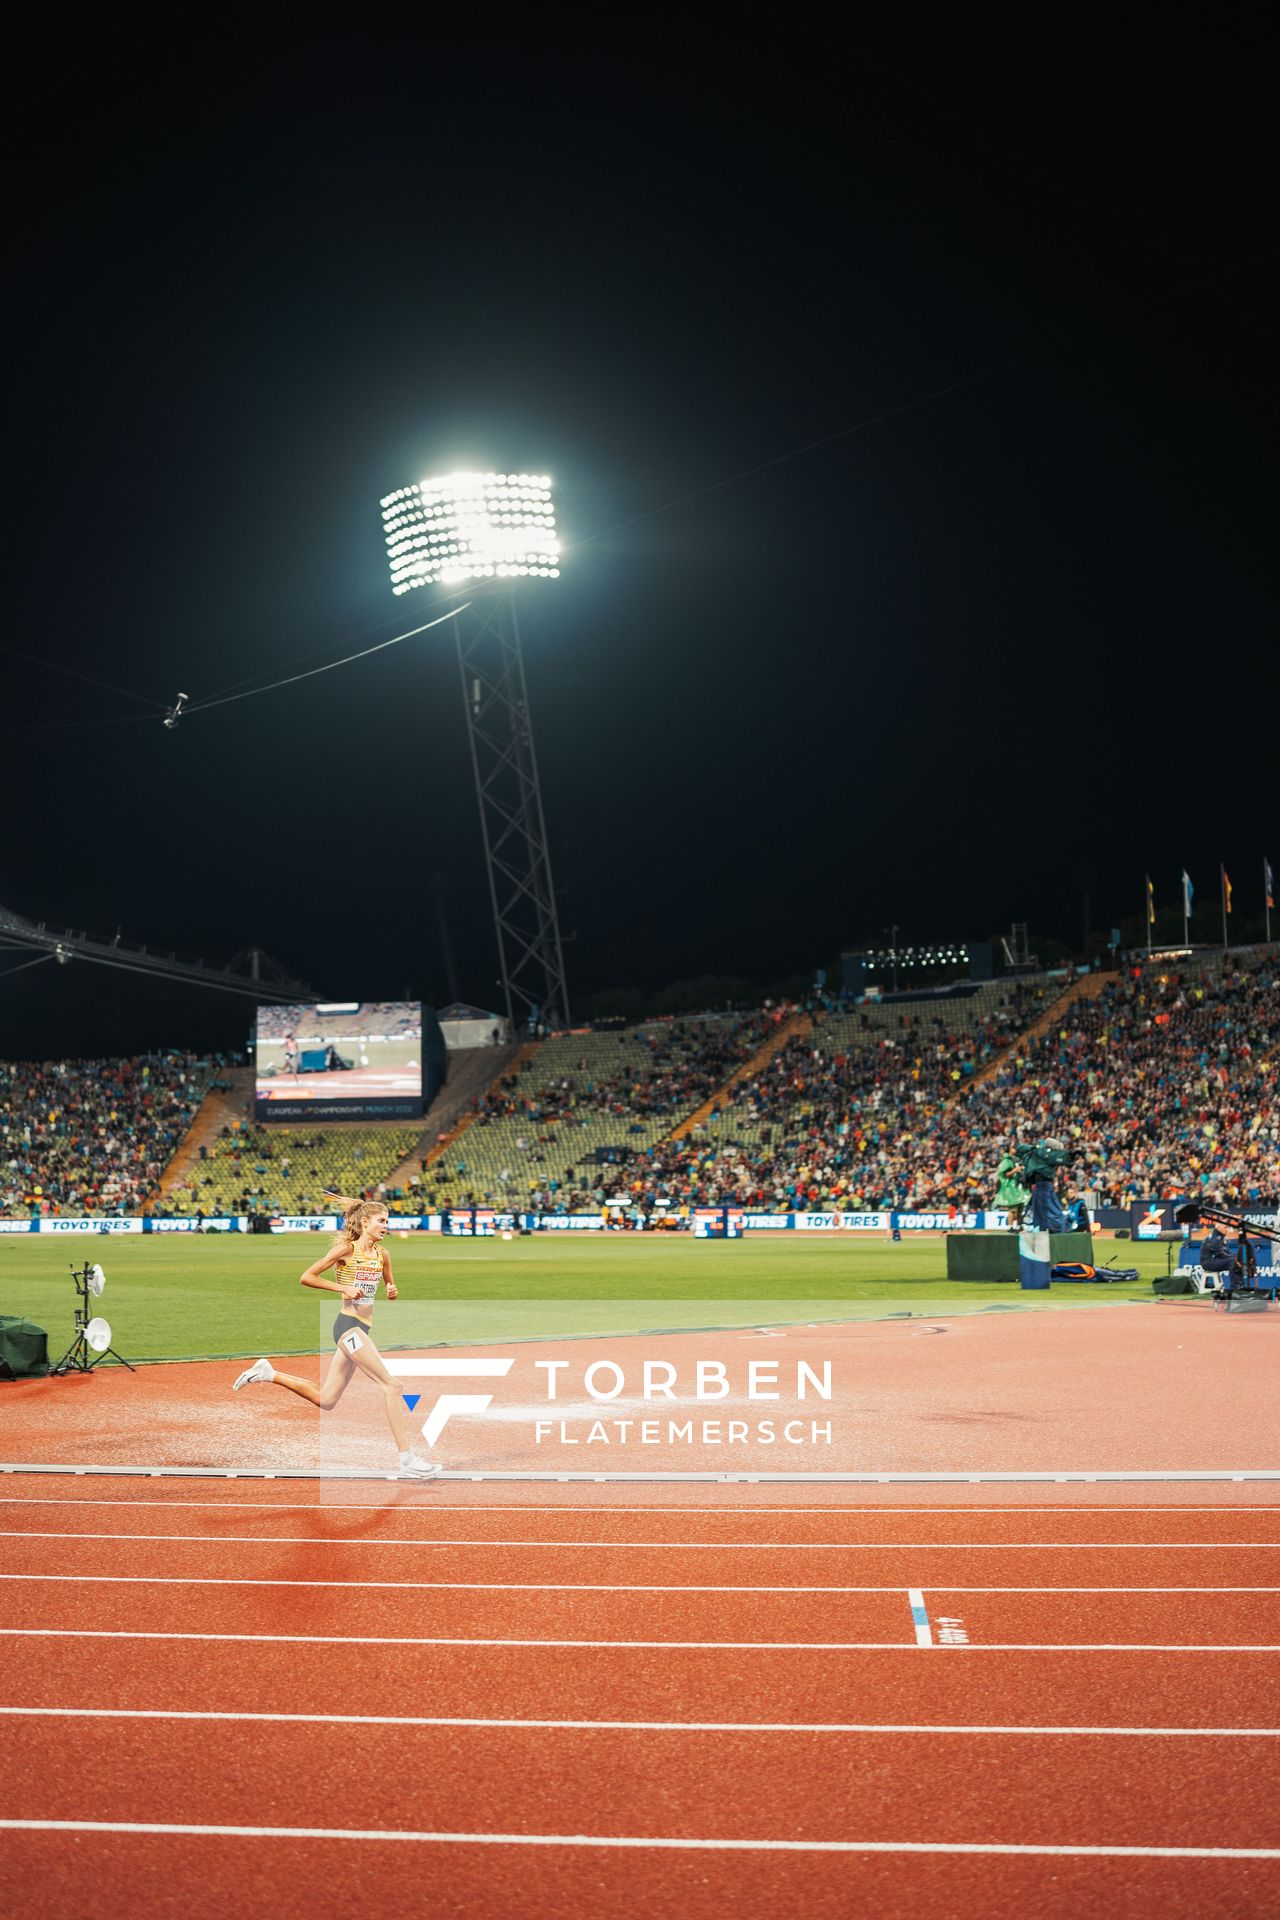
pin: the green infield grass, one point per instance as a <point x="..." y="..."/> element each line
<point x="186" y="1297"/>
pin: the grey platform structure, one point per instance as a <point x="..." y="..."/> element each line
<point x="260" y="977"/>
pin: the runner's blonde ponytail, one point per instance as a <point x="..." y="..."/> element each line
<point x="355" y="1215"/>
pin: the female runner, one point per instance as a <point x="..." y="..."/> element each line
<point x="360" y="1260"/>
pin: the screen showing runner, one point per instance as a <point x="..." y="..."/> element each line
<point x="339" y="1060"/>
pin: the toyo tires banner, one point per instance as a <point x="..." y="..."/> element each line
<point x="484" y="1221"/>
<point x="86" y="1223"/>
<point x="842" y="1222"/>
<point x="710" y="1218"/>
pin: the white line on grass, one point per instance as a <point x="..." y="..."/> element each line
<point x="637" y="1726"/>
<point x="636" y="1841"/>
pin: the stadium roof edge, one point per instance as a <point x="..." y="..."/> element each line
<point x="17" y="931"/>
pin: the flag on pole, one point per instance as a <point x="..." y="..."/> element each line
<point x="1151" y="903"/>
<point x="1226" y="890"/>
<point x="1270" y="887"/>
<point x="1187" y="891"/>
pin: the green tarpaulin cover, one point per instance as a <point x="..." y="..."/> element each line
<point x="24" y="1347"/>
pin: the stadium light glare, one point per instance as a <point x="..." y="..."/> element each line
<point x="496" y="530"/>
<point x="470" y="526"/>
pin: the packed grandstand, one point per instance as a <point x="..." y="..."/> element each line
<point x="1157" y="1083"/>
<point x="95" y="1136"/>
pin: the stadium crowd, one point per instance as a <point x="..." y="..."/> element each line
<point x="679" y="1064"/>
<point x="793" y="1137"/>
<point x="253" y="1169"/>
<point x="390" y="1017"/>
<point x="1157" y="1086"/>
<point x="94" y="1136"/>
<point x="1162" y="1085"/>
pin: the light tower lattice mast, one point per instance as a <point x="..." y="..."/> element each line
<point x="511" y="818"/>
<point x="488" y="532"/>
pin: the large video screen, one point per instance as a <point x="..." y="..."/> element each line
<point x="339" y="1060"/>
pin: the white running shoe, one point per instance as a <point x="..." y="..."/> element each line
<point x="261" y="1370"/>
<point x="414" y="1467"/>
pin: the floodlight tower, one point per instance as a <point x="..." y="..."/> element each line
<point x="488" y="533"/>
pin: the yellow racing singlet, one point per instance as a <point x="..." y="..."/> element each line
<point x="363" y="1272"/>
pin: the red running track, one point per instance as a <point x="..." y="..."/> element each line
<point x="323" y="1709"/>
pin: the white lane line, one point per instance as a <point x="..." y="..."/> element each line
<point x="481" y="1586"/>
<point x="637" y="1726"/>
<point x="704" y="1476"/>
<point x="509" y="1506"/>
<point x="667" y="1546"/>
<point x="637" y="1841"/>
<point x="919" y="1617"/>
<point x="367" y="1640"/>
<point x="543" y="1586"/>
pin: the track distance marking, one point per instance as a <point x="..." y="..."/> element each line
<point x="919" y="1617"/>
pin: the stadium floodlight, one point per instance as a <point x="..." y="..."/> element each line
<point x="492" y="532"/>
<point x="471" y="526"/>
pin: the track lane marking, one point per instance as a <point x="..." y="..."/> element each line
<point x="300" y="1641"/>
<point x="493" y="1507"/>
<point x="636" y="1841"/>
<point x="670" y="1546"/>
<point x="704" y="1476"/>
<point x="511" y="1506"/>
<point x="549" y="1586"/>
<point x="919" y="1617"/>
<point x="638" y="1726"/>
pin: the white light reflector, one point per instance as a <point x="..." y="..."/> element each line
<point x="471" y="526"/>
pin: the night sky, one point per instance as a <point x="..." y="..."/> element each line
<point x="984" y="656"/>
